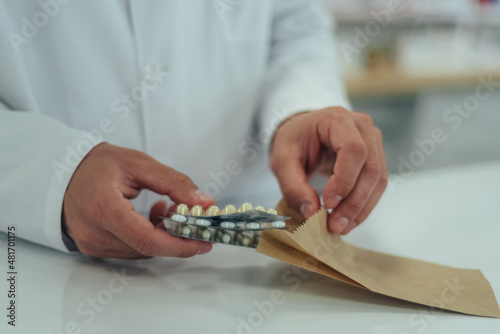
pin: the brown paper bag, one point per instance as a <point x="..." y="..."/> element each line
<point x="312" y="247"/>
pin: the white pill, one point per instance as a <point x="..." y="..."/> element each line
<point x="229" y="225"/>
<point x="179" y="218"/>
<point x="245" y="207"/>
<point x="272" y="211"/>
<point x="229" y="209"/>
<point x="252" y="226"/>
<point x="203" y="222"/>
<point x="260" y="208"/>
<point x="277" y="224"/>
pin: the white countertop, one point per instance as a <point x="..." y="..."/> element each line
<point x="449" y="216"/>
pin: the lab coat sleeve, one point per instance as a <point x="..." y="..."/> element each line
<point x="303" y="71"/>
<point x="39" y="155"/>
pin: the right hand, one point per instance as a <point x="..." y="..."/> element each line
<point x="102" y="221"/>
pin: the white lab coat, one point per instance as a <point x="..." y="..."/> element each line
<point x="186" y="81"/>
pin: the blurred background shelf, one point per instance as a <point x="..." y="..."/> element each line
<point x="371" y="83"/>
<point x="463" y="12"/>
<point x="407" y="69"/>
<point x="415" y="19"/>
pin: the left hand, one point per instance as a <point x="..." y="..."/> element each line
<point x="341" y="144"/>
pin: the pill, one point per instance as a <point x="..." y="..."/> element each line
<point x="179" y="218"/>
<point x="243" y="240"/>
<point x="252" y="226"/>
<point x="203" y="222"/>
<point x="196" y="210"/>
<point x="206" y="234"/>
<point x="181" y="210"/>
<point x="277" y="224"/>
<point x="272" y="211"/>
<point x="212" y="211"/>
<point x="228" y="225"/>
<point x="229" y="209"/>
<point x="224" y="237"/>
<point x="260" y="208"/>
<point x="245" y="207"/>
<point x="186" y="231"/>
<point x="227" y="238"/>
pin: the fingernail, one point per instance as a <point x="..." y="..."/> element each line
<point x="339" y="224"/>
<point x="333" y="201"/>
<point x="352" y="224"/>
<point x="201" y="196"/>
<point x="305" y="209"/>
<point x="205" y="249"/>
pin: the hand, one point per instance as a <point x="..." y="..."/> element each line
<point x="342" y="144"/>
<point x="100" y="218"/>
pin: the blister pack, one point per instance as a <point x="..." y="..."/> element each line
<point x="231" y="226"/>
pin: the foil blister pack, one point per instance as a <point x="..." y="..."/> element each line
<point x="231" y="226"/>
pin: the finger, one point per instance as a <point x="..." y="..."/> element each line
<point x="377" y="192"/>
<point x="158" y="210"/>
<point x="141" y="235"/>
<point x="149" y="173"/>
<point x="344" y="138"/>
<point x="105" y="245"/>
<point x="368" y="179"/>
<point x="172" y="208"/>
<point x="292" y="179"/>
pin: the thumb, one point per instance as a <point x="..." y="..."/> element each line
<point x="158" y="210"/>
<point x="164" y="180"/>
<point x="297" y="192"/>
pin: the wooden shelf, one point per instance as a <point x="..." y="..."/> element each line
<point x="393" y="83"/>
<point x="413" y="18"/>
<point x="413" y="21"/>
